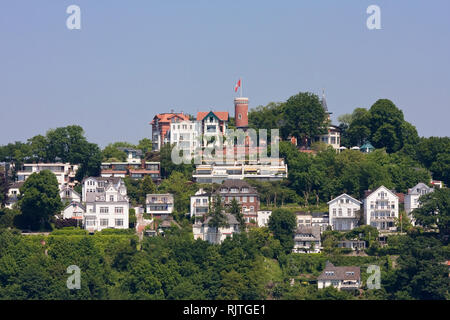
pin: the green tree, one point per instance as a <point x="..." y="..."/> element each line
<point x="283" y="224"/>
<point x="304" y="116"/>
<point x="434" y="211"/>
<point x="111" y="153"/>
<point x="39" y="200"/>
<point x="235" y="209"/>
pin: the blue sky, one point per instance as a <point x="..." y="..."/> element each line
<point x="133" y="59"/>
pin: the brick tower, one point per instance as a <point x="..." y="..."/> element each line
<point x="241" y="112"/>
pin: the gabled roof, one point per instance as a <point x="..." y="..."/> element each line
<point x="343" y="196"/>
<point x="221" y="115"/>
<point x="68" y="188"/>
<point x="75" y="204"/>
<point x="340" y="273"/>
<point x="314" y="231"/>
<point x="420" y="185"/>
<point x="167" y="117"/>
<point x="381" y="187"/>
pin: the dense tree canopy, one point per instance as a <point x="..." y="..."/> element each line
<point x="39" y="200"/>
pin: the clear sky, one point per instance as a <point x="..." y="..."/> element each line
<point x="133" y="59"/>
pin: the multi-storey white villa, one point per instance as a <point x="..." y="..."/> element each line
<point x="106" y="203"/>
<point x="203" y="231"/>
<point x="186" y="135"/>
<point x="65" y="172"/>
<point x="381" y="209"/>
<point x="159" y="205"/>
<point x="343" y="212"/>
<point x="200" y="205"/>
<point x="412" y="198"/>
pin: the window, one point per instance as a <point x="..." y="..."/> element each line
<point x="244" y="199"/>
<point x="252" y="199"/>
<point x="104" y="209"/>
<point x="111" y="198"/>
<point x="349" y="212"/>
<point x="118" y="209"/>
<point x="252" y="209"/>
<point x="104" y="222"/>
<point x="239" y="116"/>
<point x="340" y="212"/>
<point x="119" y="222"/>
<point x="334" y="212"/>
<point x="90" y="222"/>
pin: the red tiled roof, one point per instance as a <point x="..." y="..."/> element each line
<point x="166" y="117"/>
<point x="222" y="115"/>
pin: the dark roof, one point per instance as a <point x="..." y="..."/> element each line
<point x="16" y="185"/>
<point x="313" y="231"/>
<point x="231" y="219"/>
<point x="340" y="273"/>
<point x="237" y="183"/>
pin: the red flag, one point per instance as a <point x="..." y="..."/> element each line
<point x="238" y="84"/>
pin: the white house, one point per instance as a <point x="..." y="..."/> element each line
<point x="200" y="204"/>
<point x="412" y="198"/>
<point x="13" y="193"/>
<point x="307" y="240"/>
<point x="67" y="194"/>
<point x="343" y="212"/>
<point x="74" y="210"/>
<point x="381" y="209"/>
<point x="106" y="203"/>
<point x="65" y="172"/>
<point x="159" y="205"/>
<point x="213" y="235"/>
<point x="263" y="218"/>
<point x="186" y="135"/>
<point x="342" y="278"/>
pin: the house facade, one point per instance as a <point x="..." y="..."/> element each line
<point x="307" y="239"/>
<point x="203" y="231"/>
<point x="64" y="172"/>
<point x="342" y="278"/>
<point x="344" y="212"/>
<point x="186" y="135"/>
<point x="135" y="170"/>
<point x="199" y="207"/>
<point x="74" y="210"/>
<point x="412" y="198"/>
<point x="245" y="195"/>
<point x="106" y="203"/>
<point x="159" y="205"/>
<point x="381" y="209"/>
<point x="161" y="126"/>
<point x="262" y="171"/>
<point x="213" y="124"/>
<point x="68" y="195"/>
<point x="13" y="194"/>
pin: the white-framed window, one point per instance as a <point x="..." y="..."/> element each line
<point x="252" y="199"/>
<point x="118" y="210"/>
<point x="104" y="210"/>
<point x="104" y="222"/>
<point x="111" y="198"/>
<point x="119" y="222"/>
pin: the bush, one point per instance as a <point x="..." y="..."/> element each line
<point x="64" y="223"/>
